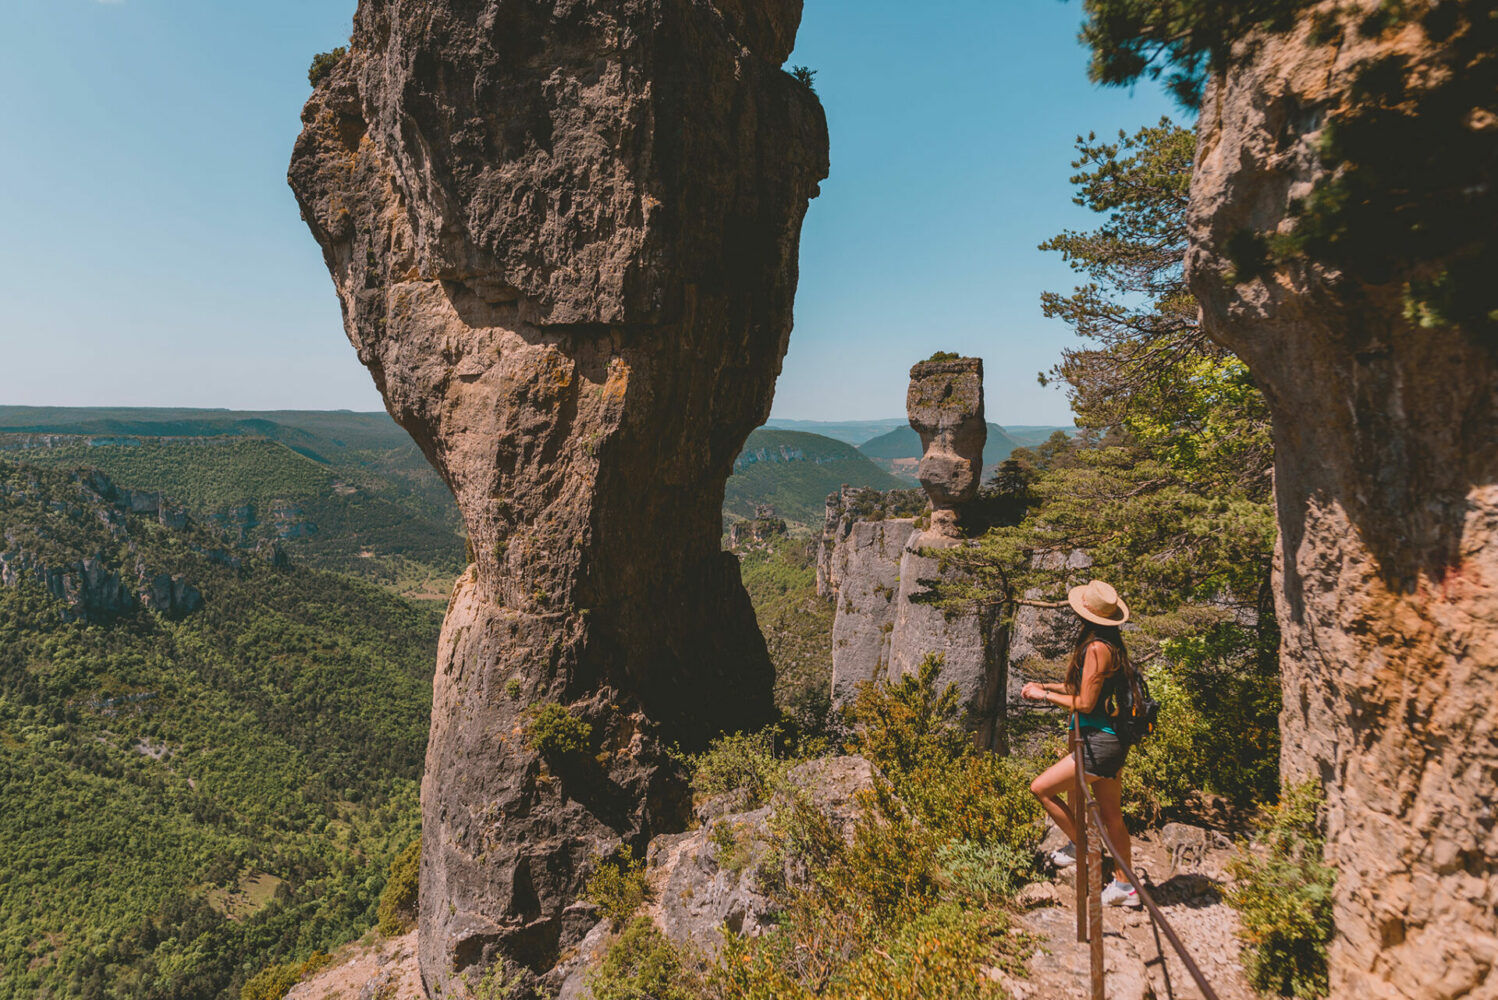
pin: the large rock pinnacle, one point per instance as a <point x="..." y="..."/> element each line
<point x="564" y="234"/>
<point x="1386" y="465"/>
<point x="945" y="407"/>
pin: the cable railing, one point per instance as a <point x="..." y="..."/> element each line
<point x="1090" y="883"/>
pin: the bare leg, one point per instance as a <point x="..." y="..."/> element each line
<point x="1054" y="782"/>
<point x="1109" y="792"/>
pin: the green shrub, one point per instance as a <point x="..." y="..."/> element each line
<point x="617" y="886"/>
<point x="323" y="64"/>
<point x="398" y="900"/>
<point x="943" y="356"/>
<point x="554" y="732"/>
<point x="836" y="955"/>
<point x="497" y="983"/>
<point x="896" y="910"/>
<point x="740" y="762"/>
<point x="733" y="846"/>
<point x="805" y="76"/>
<point x="937" y="954"/>
<point x="1283" y="894"/>
<point x="983" y="873"/>
<point x="980" y="797"/>
<point x="907" y="725"/>
<point x="273" y="982"/>
<point x="1172" y="760"/>
<point x="913" y="732"/>
<point x="642" y="964"/>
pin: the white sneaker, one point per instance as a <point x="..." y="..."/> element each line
<point x="1064" y="857"/>
<point x="1120" y="894"/>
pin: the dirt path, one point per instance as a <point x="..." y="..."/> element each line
<point x="1185" y="869"/>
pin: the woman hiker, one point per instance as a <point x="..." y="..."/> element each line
<point x="1097" y="673"/>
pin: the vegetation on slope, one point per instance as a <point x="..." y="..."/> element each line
<point x="185" y="801"/>
<point x="794" y="472"/>
<point x="797" y="624"/>
<point x="347" y="492"/>
<point x="912" y="906"/>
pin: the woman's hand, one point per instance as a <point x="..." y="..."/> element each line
<point x="1032" y="691"/>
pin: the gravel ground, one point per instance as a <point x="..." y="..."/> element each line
<point x="1184" y="867"/>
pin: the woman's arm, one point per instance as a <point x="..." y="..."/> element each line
<point x="1094" y="672"/>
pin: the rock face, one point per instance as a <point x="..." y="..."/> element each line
<point x="1040" y="636"/>
<point x="1386" y="473"/>
<point x="880" y="570"/>
<point x="564" y="234"/>
<point x="757" y="533"/>
<point x="973" y="643"/>
<point x="868" y="559"/>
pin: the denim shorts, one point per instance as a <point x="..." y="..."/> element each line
<point x="1103" y="753"/>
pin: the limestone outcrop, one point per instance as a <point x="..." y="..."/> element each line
<point x="758" y="532"/>
<point x="880" y="571"/>
<point x="1386" y="459"/>
<point x="709" y="880"/>
<point x="564" y="234"/>
<point x="98" y="587"/>
<point x="869" y="559"/>
<point x="945" y="407"/>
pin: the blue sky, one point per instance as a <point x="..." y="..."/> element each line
<point x="152" y="253"/>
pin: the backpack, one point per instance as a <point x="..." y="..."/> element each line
<point x="1137" y="711"/>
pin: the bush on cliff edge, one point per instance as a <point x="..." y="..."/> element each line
<point x="398" y="900"/>
<point x="1282" y="891"/>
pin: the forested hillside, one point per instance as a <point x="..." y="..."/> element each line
<point x="794" y="471"/>
<point x="189" y="795"/>
<point x="345" y="491"/>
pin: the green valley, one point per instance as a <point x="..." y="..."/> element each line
<point x="192" y="793"/>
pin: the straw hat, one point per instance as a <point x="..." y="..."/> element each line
<point x="1099" y="603"/>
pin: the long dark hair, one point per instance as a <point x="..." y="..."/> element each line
<point x="1108" y="634"/>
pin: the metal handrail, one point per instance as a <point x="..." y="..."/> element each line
<point x="1086" y="796"/>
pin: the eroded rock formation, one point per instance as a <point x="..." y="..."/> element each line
<point x="880" y="570"/>
<point x="945" y="407"/>
<point x="1386" y="465"/>
<point x="564" y="235"/>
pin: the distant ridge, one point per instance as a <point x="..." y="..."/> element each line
<point x="860" y="432"/>
<point x="849" y="431"/>
<point x="904" y="442"/>
<point x="345" y="491"/>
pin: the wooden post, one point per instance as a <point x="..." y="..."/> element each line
<point x="1095" y="909"/>
<point x="1079" y="823"/>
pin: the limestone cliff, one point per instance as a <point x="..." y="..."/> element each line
<point x="564" y="234"/>
<point x="1386" y="441"/>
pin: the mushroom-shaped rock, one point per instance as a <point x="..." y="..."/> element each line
<point x="945" y="406"/>
<point x="564" y="235"/>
